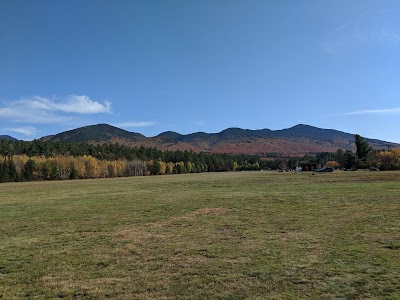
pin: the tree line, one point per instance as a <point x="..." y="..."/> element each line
<point x="363" y="157"/>
<point x="44" y="160"/>
<point x="367" y="157"/>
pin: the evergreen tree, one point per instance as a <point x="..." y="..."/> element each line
<point x="349" y="159"/>
<point x="73" y="174"/>
<point x="175" y="169"/>
<point x="45" y="170"/>
<point x="54" y="173"/>
<point x="6" y="171"/>
<point x="363" y="149"/>
<point x="12" y="171"/>
<point x="28" y="170"/>
<point x="2" y="174"/>
<point x="156" y="168"/>
<point x="340" y="157"/>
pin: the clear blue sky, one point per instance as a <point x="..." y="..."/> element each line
<point x="187" y="66"/>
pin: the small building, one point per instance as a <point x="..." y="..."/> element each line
<point x="308" y="166"/>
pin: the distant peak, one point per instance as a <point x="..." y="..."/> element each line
<point x="232" y="129"/>
<point x="103" y="125"/>
<point x="302" y="126"/>
<point x="7" y="137"/>
<point x="169" y="133"/>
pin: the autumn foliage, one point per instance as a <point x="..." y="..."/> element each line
<point x="387" y="160"/>
<point x="38" y="160"/>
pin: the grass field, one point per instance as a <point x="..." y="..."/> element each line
<point x="203" y="236"/>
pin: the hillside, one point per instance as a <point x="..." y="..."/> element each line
<point x="297" y="140"/>
<point x="94" y="133"/>
<point x="7" y="137"/>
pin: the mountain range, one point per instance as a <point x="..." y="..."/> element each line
<point x="297" y="140"/>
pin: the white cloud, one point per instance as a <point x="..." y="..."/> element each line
<point x="71" y="104"/>
<point x="375" y="111"/>
<point x="29" y="131"/>
<point x="47" y="111"/>
<point x="135" y="124"/>
<point x="82" y="105"/>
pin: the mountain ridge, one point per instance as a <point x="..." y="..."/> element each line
<point x="95" y="133"/>
<point x="7" y="137"/>
<point x="298" y="139"/>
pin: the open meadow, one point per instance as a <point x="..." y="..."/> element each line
<point x="230" y="235"/>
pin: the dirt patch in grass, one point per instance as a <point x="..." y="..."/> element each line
<point x="191" y="216"/>
<point x="209" y="211"/>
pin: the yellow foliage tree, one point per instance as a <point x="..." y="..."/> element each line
<point x="332" y="164"/>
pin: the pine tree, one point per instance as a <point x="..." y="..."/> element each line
<point x="155" y="169"/>
<point x="349" y="159"/>
<point x="12" y="171"/>
<point x="54" y="174"/>
<point x="29" y="167"/>
<point x="73" y="173"/>
<point x="2" y="175"/>
<point x="363" y="149"/>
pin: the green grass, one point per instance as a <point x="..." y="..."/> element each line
<point x="203" y="236"/>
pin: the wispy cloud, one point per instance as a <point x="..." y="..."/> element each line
<point x="136" y="124"/>
<point x="366" y="30"/>
<point x="384" y="111"/>
<point x="350" y="38"/>
<point x="47" y="110"/>
<point x="390" y="35"/>
<point x="199" y="123"/>
<point x="22" y="114"/>
<point x="341" y="39"/>
<point x="29" y="131"/>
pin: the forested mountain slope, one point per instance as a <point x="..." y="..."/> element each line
<point x="298" y="139"/>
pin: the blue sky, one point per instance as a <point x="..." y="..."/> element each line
<point x="188" y="66"/>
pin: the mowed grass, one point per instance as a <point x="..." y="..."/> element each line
<point x="246" y="235"/>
